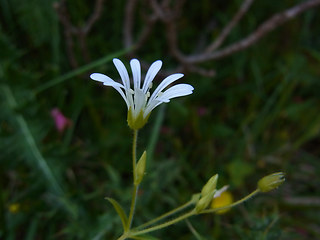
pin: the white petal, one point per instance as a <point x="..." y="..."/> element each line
<point x="122" y="95"/>
<point x="175" y="91"/>
<point x="151" y="105"/>
<point x="221" y="190"/>
<point x="109" y="82"/>
<point x="167" y="81"/>
<point x="139" y="101"/>
<point x="99" y="77"/>
<point x="178" y="90"/>
<point x="105" y="79"/>
<point x="123" y="73"/>
<point x="136" y="73"/>
<point x="152" y="72"/>
<point x="130" y="100"/>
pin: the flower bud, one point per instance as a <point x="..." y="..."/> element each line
<point x="210" y="186"/>
<point x="204" y="202"/>
<point x="271" y="182"/>
<point x="140" y="168"/>
<point x="195" y="198"/>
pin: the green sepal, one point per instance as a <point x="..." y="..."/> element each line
<point x="210" y="186"/>
<point x="271" y="182"/>
<point x="121" y="213"/>
<point x="203" y="203"/>
<point x="138" y="122"/>
<point x="195" y="198"/>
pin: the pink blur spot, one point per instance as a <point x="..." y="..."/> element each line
<point x="61" y="122"/>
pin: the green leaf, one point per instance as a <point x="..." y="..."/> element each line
<point x="194" y="231"/>
<point x="32" y="229"/>
<point x="121" y="213"/>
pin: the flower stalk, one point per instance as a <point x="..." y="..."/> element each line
<point x="135" y="186"/>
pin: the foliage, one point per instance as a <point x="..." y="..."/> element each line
<point x="260" y="114"/>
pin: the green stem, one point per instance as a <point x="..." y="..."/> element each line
<point x="233" y="204"/>
<point x="135" y="187"/>
<point x="123" y="237"/>
<point x="166" y="224"/>
<point x="186" y="215"/>
<point x="166" y="214"/>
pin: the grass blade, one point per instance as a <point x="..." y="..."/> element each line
<point x="121" y="213"/>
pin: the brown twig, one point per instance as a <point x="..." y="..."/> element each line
<point x="266" y="27"/>
<point x="168" y="12"/>
<point x="145" y="32"/>
<point x="226" y="31"/>
<point x="80" y="33"/>
<point x="303" y="201"/>
<point x="69" y="30"/>
<point x="168" y="17"/>
<point x="94" y="16"/>
<point x="199" y="70"/>
<point x="128" y="23"/>
<point x="150" y="20"/>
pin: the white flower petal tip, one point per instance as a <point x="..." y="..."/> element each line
<point x="176" y="91"/>
<point x="105" y="80"/>
<point x="98" y="77"/>
<point x="139" y="101"/>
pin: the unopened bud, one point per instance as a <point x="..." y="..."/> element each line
<point x="195" y="198"/>
<point x="140" y="168"/>
<point x="204" y="202"/>
<point x="210" y="186"/>
<point x="271" y="182"/>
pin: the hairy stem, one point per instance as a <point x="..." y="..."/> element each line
<point x="135" y="187"/>
<point x="166" y="224"/>
<point x="174" y="211"/>
<point x="233" y="204"/>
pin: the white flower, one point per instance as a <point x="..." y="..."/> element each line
<point x="138" y="99"/>
<point x="220" y="191"/>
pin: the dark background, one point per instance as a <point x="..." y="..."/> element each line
<point x="253" y="112"/>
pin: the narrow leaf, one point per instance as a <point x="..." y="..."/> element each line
<point x="194" y="231"/>
<point x="121" y="213"/>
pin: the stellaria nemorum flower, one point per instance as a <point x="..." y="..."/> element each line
<point x="138" y="99"/>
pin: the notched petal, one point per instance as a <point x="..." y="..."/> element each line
<point x="136" y="73"/>
<point x="152" y="72"/>
<point x="122" y="72"/>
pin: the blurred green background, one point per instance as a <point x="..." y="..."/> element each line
<point x="259" y="114"/>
